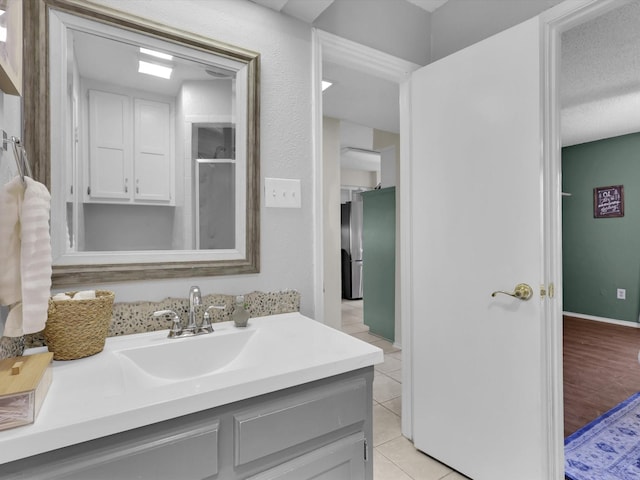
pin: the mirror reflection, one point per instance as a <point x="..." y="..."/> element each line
<point x="152" y="146"/>
<point x="215" y="185"/>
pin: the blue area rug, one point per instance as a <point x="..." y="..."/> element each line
<point x="607" y="448"/>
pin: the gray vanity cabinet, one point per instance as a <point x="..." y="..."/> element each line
<point x="341" y="460"/>
<point x="319" y="430"/>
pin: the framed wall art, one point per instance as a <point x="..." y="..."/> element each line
<point x="608" y="201"/>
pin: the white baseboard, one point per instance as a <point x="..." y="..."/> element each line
<point x="624" y="323"/>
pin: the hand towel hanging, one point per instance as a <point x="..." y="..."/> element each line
<point x="25" y="247"/>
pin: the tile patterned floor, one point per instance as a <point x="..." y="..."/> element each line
<point x="394" y="457"/>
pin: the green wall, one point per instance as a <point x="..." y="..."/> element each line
<point x="379" y="261"/>
<point x="601" y="255"/>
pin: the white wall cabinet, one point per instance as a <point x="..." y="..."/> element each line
<point x="152" y="160"/>
<point x="130" y="150"/>
<point x="110" y="133"/>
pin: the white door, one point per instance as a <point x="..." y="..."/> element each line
<point x="476" y="198"/>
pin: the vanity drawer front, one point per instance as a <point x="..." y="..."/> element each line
<point x="341" y="460"/>
<point x="191" y="455"/>
<point x="294" y="419"/>
<point x="187" y="452"/>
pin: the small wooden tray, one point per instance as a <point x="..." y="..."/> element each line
<point x="24" y="383"/>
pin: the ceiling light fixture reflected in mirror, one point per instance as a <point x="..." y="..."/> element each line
<point x="154" y="69"/>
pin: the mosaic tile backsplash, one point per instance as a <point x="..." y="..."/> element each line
<point x="137" y="317"/>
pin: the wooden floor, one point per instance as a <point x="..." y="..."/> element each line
<point x="600" y="369"/>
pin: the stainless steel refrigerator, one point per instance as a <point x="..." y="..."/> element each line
<point x="351" y="244"/>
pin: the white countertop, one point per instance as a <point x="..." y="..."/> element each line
<point x="102" y="395"/>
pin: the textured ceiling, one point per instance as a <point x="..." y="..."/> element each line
<point x="600" y="77"/>
<point x="601" y="58"/>
<point x="599" y="82"/>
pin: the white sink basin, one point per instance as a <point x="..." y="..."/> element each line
<point x="187" y="357"/>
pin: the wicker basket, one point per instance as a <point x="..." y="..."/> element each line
<point x="78" y="328"/>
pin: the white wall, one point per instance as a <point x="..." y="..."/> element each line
<point x="285" y="46"/>
<point x="398" y="28"/>
<point x="358" y="178"/>
<point x="388" y="144"/>
<point x="331" y="221"/>
<point x="460" y="23"/>
<point x="354" y="135"/>
<point x="113" y="227"/>
<point x="285" y="149"/>
<point x="357" y="136"/>
<point x="208" y="97"/>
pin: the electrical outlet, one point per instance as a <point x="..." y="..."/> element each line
<point x="622" y="294"/>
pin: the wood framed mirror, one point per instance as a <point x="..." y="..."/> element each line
<point x="146" y="183"/>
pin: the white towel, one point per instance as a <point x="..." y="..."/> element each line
<point x="25" y="249"/>
<point x="11" y="197"/>
<point x="61" y="296"/>
<point x="85" y="295"/>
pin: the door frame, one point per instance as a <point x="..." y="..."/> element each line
<point x="553" y="23"/>
<point x="339" y="50"/>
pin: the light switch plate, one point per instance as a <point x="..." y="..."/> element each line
<point x="282" y="193"/>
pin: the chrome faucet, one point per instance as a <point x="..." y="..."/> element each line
<point x="195" y="299"/>
<point x="176" y="327"/>
<point x="177" y="330"/>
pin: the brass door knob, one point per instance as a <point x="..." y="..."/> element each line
<point x="521" y="292"/>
